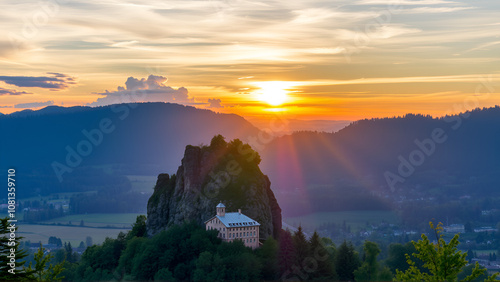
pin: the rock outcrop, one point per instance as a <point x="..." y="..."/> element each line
<point x="222" y="172"/>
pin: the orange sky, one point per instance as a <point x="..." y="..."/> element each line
<point x="305" y="60"/>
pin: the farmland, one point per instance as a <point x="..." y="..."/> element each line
<point x="118" y="220"/>
<point x="36" y="233"/>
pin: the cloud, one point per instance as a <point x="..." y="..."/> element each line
<point x="5" y="91"/>
<point x="9" y="48"/>
<point x="57" y="81"/>
<point x="404" y="2"/>
<point x="215" y="103"/>
<point x="34" y="105"/>
<point x="1" y="107"/>
<point x="151" y="89"/>
<point x="433" y="10"/>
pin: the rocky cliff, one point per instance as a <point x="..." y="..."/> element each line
<point x="222" y="172"/>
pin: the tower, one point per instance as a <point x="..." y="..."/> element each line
<point x="221" y="209"/>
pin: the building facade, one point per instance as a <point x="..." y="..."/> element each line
<point x="234" y="226"/>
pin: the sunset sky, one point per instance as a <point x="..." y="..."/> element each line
<point x="308" y="60"/>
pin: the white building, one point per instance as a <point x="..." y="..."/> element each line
<point x="234" y="226"/>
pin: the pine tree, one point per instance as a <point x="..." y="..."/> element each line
<point x="268" y="253"/>
<point x="6" y="246"/>
<point x="70" y="255"/>
<point x="324" y="258"/>
<point x="347" y="262"/>
<point x="286" y="254"/>
<point x="301" y="246"/>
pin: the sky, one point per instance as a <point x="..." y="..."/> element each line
<point x="302" y="60"/>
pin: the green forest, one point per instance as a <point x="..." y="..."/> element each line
<point x="188" y="252"/>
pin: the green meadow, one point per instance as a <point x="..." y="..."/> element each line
<point x="115" y="220"/>
<point x="41" y="233"/>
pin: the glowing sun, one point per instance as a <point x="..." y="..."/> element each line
<point x="274" y="93"/>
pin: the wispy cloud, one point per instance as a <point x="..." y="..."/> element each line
<point x="4" y="91"/>
<point x="404" y="2"/>
<point x="57" y="81"/>
<point x="483" y="46"/>
<point x="433" y="10"/>
<point x="33" y="105"/>
<point x="390" y="80"/>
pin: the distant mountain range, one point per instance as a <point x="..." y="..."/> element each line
<point x="413" y="156"/>
<point x="370" y="164"/>
<point x="53" y="143"/>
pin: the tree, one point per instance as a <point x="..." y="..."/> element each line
<point x="368" y="271"/>
<point x="323" y="254"/>
<point x="99" y="261"/>
<point x="11" y="255"/>
<point x="164" y="275"/>
<point x="301" y="246"/>
<point x="268" y="254"/>
<point x="218" y="142"/>
<point x="397" y="257"/>
<point x="286" y="254"/>
<point x="55" y="241"/>
<point x="442" y="260"/>
<point x="347" y="262"/>
<point x="71" y="256"/>
<point x="89" y="241"/>
<point x="466" y="271"/>
<point x="44" y="270"/>
<point x="138" y="228"/>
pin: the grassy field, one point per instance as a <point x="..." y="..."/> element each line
<point x="75" y="235"/>
<point x="356" y="219"/>
<point x="120" y="220"/>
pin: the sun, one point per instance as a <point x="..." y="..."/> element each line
<point x="274" y="93"/>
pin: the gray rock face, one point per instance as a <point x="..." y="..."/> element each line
<point x="206" y="177"/>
